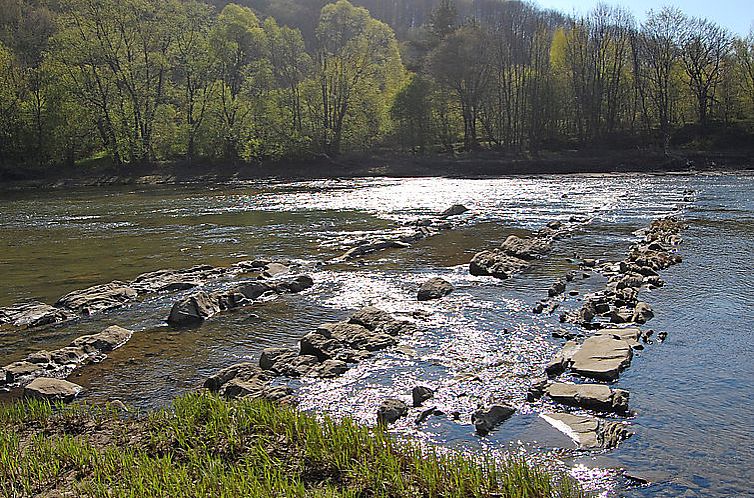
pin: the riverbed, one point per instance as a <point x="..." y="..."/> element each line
<point x="690" y="393"/>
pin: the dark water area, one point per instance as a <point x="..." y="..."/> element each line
<point x="692" y="394"/>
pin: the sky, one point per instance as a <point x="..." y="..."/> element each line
<point x="736" y="15"/>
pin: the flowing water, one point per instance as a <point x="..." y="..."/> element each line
<point x="692" y="393"/>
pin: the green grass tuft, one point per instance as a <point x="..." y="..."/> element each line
<point x="205" y="446"/>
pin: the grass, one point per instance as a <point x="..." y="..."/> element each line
<point x="205" y="446"/>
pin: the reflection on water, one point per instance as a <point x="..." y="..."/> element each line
<point x="480" y="344"/>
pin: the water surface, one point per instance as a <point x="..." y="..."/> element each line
<point x="480" y="344"/>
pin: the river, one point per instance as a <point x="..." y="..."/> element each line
<point x="691" y="394"/>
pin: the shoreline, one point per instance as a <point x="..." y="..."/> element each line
<point x="467" y="166"/>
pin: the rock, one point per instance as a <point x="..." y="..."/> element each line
<point x="588" y="432"/>
<point x="486" y="419"/>
<point x="109" y="339"/>
<point x="98" y="298"/>
<point x="253" y="290"/>
<point x="560" y="362"/>
<point x="454" y="210"/>
<point x="425" y="414"/>
<point x="557" y="288"/>
<point x="590" y="396"/>
<point x="175" y="280"/>
<point x="254" y="389"/>
<point x="270" y="356"/>
<point x="496" y="264"/>
<point x="329" y="368"/>
<point x="293" y="285"/>
<point x="373" y="246"/>
<point x="527" y="249"/>
<point x="243" y="371"/>
<point x="420" y="394"/>
<point x="193" y="309"/>
<point x="434" y="288"/>
<point x="18" y="370"/>
<point x="642" y="313"/>
<point x="52" y="389"/>
<point x="390" y="410"/>
<point x="537" y="389"/>
<point x="376" y="319"/>
<point x="275" y="269"/>
<point x="33" y="314"/>
<point x="601" y="357"/>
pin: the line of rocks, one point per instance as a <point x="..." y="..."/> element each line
<point x="105" y="297"/>
<point x="328" y="351"/>
<point x="609" y="350"/>
<point x="405" y="236"/>
<point x="59" y="363"/>
<point x="516" y="254"/>
<point x="199" y="306"/>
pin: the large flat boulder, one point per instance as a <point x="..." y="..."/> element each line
<point x="52" y="389"/>
<point x="98" y="298"/>
<point x="590" y="396"/>
<point x="601" y="357"/>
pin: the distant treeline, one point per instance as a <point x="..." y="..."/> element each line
<point x="139" y="81"/>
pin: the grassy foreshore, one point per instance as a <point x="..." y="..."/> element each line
<point x="205" y="446"/>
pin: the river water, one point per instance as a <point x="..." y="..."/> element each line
<point x="691" y="394"/>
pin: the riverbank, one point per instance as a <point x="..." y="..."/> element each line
<point x="204" y="446"/>
<point x="475" y="165"/>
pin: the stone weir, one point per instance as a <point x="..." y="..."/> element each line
<point x="105" y="297"/>
<point x="328" y="351"/>
<point x="614" y="315"/>
<point x="405" y="236"/>
<point x="42" y="372"/>
<point x="516" y="254"/>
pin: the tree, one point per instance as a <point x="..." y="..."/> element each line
<point x="239" y="47"/>
<point x="467" y="80"/>
<point x="412" y="111"/>
<point x="357" y="58"/>
<point x="705" y="46"/>
<point x="194" y="68"/>
<point x="658" y="52"/>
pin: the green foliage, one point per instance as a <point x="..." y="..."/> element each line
<point x="204" y="446"/>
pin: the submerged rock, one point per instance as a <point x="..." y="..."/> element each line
<point x="454" y="210"/>
<point x="486" y="419"/>
<point x="52" y="389"/>
<point x="390" y="410"/>
<point x="589" y="432"/>
<point x="434" y="288"/>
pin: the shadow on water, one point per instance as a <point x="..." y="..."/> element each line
<point x="480" y="344"/>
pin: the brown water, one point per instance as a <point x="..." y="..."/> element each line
<point x="480" y="344"/>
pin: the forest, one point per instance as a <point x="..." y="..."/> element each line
<point x="135" y="82"/>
